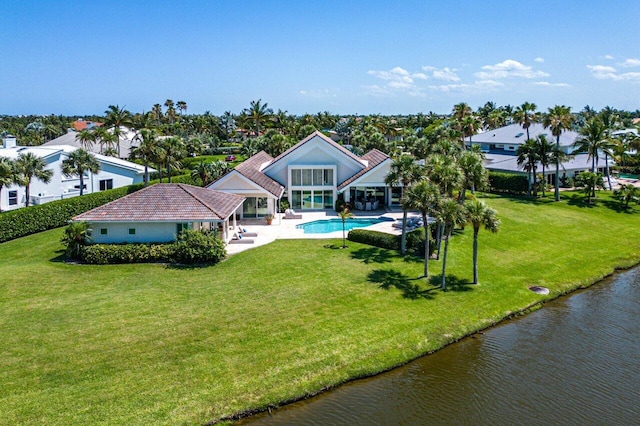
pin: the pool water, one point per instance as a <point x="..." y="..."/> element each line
<point x="331" y="225"/>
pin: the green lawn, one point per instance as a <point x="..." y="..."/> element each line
<point x="142" y="344"/>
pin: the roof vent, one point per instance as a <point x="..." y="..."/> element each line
<point x="519" y="135"/>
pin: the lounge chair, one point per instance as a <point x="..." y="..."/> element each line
<point x="239" y="239"/>
<point x="290" y="214"/>
<point x="243" y="231"/>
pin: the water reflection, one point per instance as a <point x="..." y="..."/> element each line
<point x="576" y="361"/>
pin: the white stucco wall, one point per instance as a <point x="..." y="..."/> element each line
<point x="150" y="232"/>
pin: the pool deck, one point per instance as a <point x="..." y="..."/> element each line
<point x="281" y="228"/>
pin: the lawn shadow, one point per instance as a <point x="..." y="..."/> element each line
<point x="618" y="206"/>
<point x="387" y="278"/>
<point x="372" y="255"/>
<point x="454" y="283"/>
<point x="180" y="266"/>
<point x="580" y="200"/>
<point x="60" y="257"/>
<point x="333" y="246"/>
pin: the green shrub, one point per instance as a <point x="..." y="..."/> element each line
<point x="105" y="254"/>
<point x="375" y="238"/>
<point x="510" y="183"/>
<point x="415" y="241"/>
<point x="195" y="247"/>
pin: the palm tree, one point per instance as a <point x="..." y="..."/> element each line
<point x="478" y="214"/>
<point x="525" y="115"/>
<point x="528" y="158"/>
<point x="258" y="114"/>
<point x="450" y="214"/>
<point x="146" y="150"/>
<point x="403" y="171"/>
<point x="7" y="175"/>
<point x="172" y="151"/>
<point x="156" y="111"/>
<point x="182" y="106"/>
<point x="557" y="119"/>
<point x="171" y="110"/>
<point x="470" y="126"/>
<point x="424" y="197"/>
<point x="76" y="235"/>
<point x="626" y="193"/>
<point x="79" y="162"/>
<point x="591" y="140"/>
<point x="545" y="156"/>
<point x="28" y="166"/>
<point x="590" y="181"/>
<point x="116" y="118"/>
<point x="344" y="215"/>
<point x="86" y="138"/>
<point x="475" y="176"/>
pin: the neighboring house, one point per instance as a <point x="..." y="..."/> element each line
<point x="113" y="173"/>
<point x="310" y="176"/>
<point x="158" y="213"/>
<point x="127" y="141"/>
<point x="81" y="124"/>
<point x="501" y="145"/>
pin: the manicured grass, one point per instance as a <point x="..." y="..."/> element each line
<point x="142" y="344"/>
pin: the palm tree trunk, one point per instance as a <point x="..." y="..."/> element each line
<point x="169" y="172"/>
<point x="439" y="232"/>
<point x="544" y="180"/>
<point x="81" y="182"/>
<point x="426" y="245"/>
<point x="444" y="260"/>
<point x="475" y="255"/>
<point x="606" y="165"/>
<point x="403" y="238"/>
<point x="557" y="177"/>
<point x="146" y="174"/>
<point x="26" y="192"/>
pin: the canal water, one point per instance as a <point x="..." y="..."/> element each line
<point x="576" y="361"/>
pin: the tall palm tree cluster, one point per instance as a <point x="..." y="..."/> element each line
<point x="437" y="186"/>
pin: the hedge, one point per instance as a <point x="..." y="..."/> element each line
<point x="193" y="247"/>
<point x="415" y="239"/>
<point x="29" y="220"/>
<point x="510" y="183"/>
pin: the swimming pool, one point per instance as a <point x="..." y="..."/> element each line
<point x="331" y="225"/>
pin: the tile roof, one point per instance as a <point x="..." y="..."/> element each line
<point x="166" y="202"/>
<point x="252" y="170"/>
<point x="515" y="134"/>
<point x="323" y="137"/>
<point x="373" y="158"/>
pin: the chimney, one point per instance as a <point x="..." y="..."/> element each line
<point x="8" y="141"/>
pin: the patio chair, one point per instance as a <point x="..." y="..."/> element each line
<point x="243" y="231"/>
<point x="290" y="214"/>
<point x="239" y="239"/>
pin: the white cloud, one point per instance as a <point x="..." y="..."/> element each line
<point x="398" y="80"/>
<point x="509" y="69"/>
<point x="445" y="74"/>
<point x="631" y="62"/>
<point x="608" y="57"/>
<point x="539" y="60"/>
<point x="604" y="72"/>
<point x="548" y="84"/>
<point x="319" y="93"/>
<point x="477" y="86"/>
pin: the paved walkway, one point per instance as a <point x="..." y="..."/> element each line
<point x="286" y="228"/>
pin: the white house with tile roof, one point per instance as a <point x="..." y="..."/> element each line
<point x="310" y="176"/>
<point x="114" y="173"/>
<point x="158" y="213"/>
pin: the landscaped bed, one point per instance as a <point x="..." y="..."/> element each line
<point x="146" y="343"/>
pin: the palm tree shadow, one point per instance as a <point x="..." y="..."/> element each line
<point x="618" y="206"/>
<point x="332" y="246"/>
<point x="391" y="278"/>
<point x="372" y="255"/>
<point x="453" y="282"/>
<point x="580" y="200"/>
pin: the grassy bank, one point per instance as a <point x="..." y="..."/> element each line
<point x="140" y="344"/>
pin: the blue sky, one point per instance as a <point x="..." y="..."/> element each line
<point x="346" y="57"/>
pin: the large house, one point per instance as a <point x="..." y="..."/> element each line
<point x="158" y="213"/>
<point x="500" y="147"/>
<point x="113" y="173"/>
<point x="126" y="142"/>
<point x="311" y="175"/>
